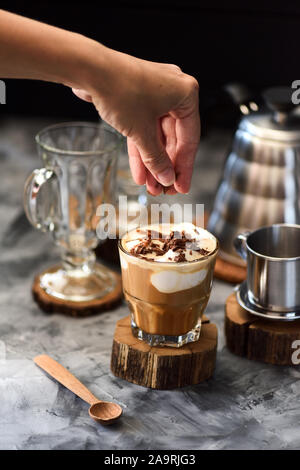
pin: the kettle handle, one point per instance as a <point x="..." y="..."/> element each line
<point x="242" y="97"/>
<point x="240" y="244"/>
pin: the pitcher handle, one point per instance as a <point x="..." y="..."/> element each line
<point x="240" y="244"/>
<point x="32" y="187"/>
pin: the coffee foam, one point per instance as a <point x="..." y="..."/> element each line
<point x="203" y="240"/>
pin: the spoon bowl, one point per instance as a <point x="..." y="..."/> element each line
<point x="105" y="412"/>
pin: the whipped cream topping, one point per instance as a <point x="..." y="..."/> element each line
<point x="169" y="243"/>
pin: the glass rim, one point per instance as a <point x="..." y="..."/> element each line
<point x="170" y="263"/>
<point x="49" y="148"/>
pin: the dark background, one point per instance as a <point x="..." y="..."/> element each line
<point x="218" y="42"/>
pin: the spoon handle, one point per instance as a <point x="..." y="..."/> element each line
<point x="62" y="375"/>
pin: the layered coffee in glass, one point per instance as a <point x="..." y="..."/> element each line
<point x="167" y="273"/>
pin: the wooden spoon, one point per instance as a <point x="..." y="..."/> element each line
<point x="105" y="412"/>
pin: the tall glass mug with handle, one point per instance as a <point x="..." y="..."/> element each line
<point x="62" y="198"/>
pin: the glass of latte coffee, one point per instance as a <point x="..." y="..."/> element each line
<point x="167" y="273"/>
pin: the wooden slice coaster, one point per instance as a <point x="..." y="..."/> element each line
<point x="258" y="338"/>
<point x="163" y="367"/>
<point x="229" y="272"/>
<point x="225" y="270"/>
<point x="51" y="304"/>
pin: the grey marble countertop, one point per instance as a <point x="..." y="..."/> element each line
<point x="246" y="405"/>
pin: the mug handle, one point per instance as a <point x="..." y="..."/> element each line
<point x="32" y="186"/>
<point x="240" y="244"/>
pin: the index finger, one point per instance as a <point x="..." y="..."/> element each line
<point x="188" y="136"/>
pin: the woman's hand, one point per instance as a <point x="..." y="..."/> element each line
<point x="156" y="107"/>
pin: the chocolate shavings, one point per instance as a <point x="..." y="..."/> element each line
<point x="176" y="241"/>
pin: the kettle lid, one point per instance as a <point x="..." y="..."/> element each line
<point x="281" y="124"/>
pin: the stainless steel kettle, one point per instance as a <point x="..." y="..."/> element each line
<point x="261" y="179"/>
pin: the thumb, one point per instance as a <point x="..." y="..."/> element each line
<point x="82" y="94"/>
<point x="155" y="157"/>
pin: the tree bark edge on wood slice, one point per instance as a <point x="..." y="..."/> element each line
<point x="259" y="339"/>
<point x="163" y="368"/>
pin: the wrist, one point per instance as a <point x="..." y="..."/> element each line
<point x="106" y="72"/>
<point x="87" y="64"/>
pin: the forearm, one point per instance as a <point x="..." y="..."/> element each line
<point x="34" y="50"/>
<point x="154" y="105"/>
